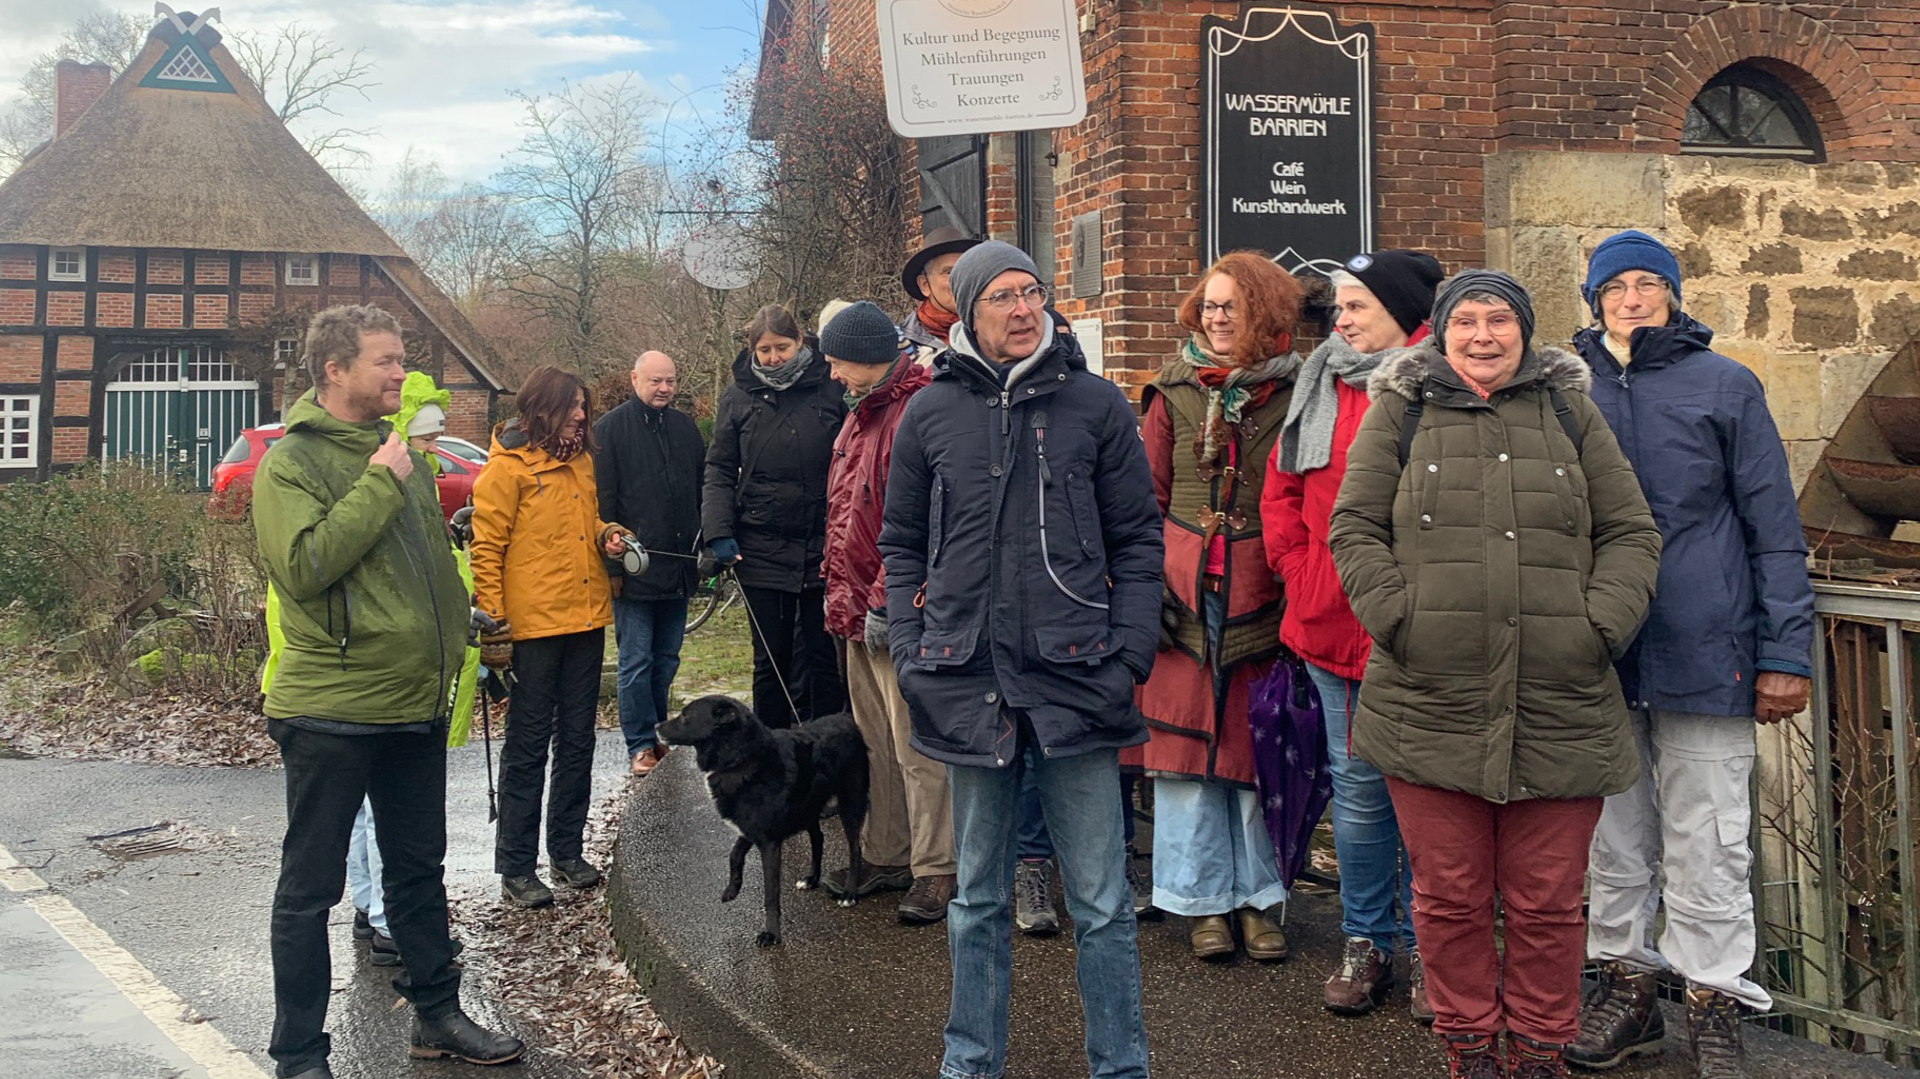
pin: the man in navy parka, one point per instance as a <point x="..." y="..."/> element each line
<point x="1727" y="643"/>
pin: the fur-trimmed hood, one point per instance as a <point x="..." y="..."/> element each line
<point x="1402" y="370"/>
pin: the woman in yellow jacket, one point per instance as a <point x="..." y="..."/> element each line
<point x="537" y="551"/>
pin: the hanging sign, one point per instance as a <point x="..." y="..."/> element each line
<point x="1287" y="136"/>
<point x="969" y="67"/>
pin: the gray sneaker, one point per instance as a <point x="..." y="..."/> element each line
<point x="1033" y="912"/>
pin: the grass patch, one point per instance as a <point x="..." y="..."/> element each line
<point x="716" y="658"/>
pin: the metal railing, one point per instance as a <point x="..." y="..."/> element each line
<point x="1834" y="834"/>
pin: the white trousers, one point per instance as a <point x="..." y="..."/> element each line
<point x="1687" y="818"/>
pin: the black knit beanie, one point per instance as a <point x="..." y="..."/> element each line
<point x="1403" y="281"/>
<point x="861" y="333"/>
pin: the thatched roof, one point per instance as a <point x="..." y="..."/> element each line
<point x="155" y="166"/>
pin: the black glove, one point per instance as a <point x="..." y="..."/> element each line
<point x="874" y="633"/>
<point x="461" y="526"/>
<point x="1169" y="621"/>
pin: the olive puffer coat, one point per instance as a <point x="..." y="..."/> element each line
<point x="536" y="550"/>
<point x="1500" y="573"/>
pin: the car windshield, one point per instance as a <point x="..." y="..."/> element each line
<point x="463" y="449"/>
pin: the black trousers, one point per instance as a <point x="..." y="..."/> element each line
<point x="791" y="644"/>
<point x="405" y="776"/>
<point x="556" y="690"/>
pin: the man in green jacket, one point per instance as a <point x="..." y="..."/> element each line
<point x="375" y="619"/>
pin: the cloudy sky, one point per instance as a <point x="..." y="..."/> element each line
<point x="445" y="67"/>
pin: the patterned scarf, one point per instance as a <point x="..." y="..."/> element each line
<point x="786" y="374"/>
<point x="1230" y="390"/>
<point x="564" y="449"/>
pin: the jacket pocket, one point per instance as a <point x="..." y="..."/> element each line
<point x="1563" y="485"/>
<point x="936" y="520"/>
<point x="1086" y="525"/>
<point x="945" y="648"/>
<point x="1427" y="483"/>
<point x="1073" y="644"/>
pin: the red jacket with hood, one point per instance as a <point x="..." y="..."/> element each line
<point x="856" y="494"/>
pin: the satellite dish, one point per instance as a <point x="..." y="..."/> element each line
<point x="721" y="256"/>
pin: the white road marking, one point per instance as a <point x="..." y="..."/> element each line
<point x="174" y="1017"/>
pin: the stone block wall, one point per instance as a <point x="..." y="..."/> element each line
<point x="1806" y="273"/>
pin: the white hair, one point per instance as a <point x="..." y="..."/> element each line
<point x="1340" y="279"/>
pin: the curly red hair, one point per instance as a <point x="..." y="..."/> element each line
<point x="1272" y="298"/>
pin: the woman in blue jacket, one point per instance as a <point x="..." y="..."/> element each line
<point x="1727" y="643"/>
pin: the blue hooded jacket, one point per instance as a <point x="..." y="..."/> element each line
<point x="1733" y="597"/>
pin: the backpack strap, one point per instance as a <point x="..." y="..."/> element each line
<point x="1410" y="426"/>
<point x="1560" y="410"/>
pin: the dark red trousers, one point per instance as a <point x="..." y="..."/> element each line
<point x="1532" y="857"/>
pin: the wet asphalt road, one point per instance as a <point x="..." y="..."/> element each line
<point x="197" y="920"/>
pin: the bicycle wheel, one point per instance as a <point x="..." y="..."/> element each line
<point x="705" y="602"/>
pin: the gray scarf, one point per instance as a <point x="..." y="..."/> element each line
<point x="1306" y="438"/>
<point x="785" y="375"/>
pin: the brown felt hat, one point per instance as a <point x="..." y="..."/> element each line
<point x="944" y="240"/>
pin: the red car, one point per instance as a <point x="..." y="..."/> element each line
<point x="233" y="476"/>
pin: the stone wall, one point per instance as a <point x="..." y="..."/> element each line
<point x="1806" y="273"/>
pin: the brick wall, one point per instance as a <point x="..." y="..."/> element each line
<point x="20" y="358"/>
<point x="75" y="87"/>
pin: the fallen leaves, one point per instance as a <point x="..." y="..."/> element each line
<point x="46" y="713"/>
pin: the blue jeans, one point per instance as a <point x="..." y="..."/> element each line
<point x="1032" y="840"/>
<point x="1082" y="799"/>
<point x="1376" y="881"/>
<point x="648" y="634"/>
<point x="1212" y="853"/>
<point x="363" y="869"/>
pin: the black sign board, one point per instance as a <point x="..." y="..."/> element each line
<point x="1287" y="136"/>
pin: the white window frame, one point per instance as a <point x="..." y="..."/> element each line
<point x="10" y="414"/>
<point x="286" y="352"/>
<point x="313" y="263"/>
<point x="54" y="273"/>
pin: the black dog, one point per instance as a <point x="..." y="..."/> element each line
<point x="769" y="785"/>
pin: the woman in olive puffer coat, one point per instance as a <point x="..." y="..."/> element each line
<point x="1499" y="571"/>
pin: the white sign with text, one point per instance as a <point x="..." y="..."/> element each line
<point x="969" y="67"/>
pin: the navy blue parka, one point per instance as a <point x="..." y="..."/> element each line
<point x="1733" y="597"/>
<point x="980" y="623"/>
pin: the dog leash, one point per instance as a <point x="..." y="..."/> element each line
<point x="784" y="691"/>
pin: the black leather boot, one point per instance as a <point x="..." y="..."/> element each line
<point x="454" y="1035"/>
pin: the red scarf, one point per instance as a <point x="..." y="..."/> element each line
<point x="938" y="320"/>
<point x="1215" y="377"/>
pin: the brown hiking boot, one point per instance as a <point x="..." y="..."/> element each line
<point x="1529" y="1059"/>
<point x="1263" y="938"/>
<point x="645" y="761"/>
<point x="1713" y="1031"/>
<point x="1619" y="1019"/>
<point x="876" y="878"/>
<point x="1417" y="1004"/>
<point x="1473" y="1056"/>
<point x="1363" y="980"/>
<point x="926" y="902"/>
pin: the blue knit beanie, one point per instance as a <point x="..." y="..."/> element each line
<point x="1625" y="251"/>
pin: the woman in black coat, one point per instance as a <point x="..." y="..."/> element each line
<point x="764" y="512"/>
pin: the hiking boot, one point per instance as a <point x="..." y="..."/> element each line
<point x="1417" y="1005"/>
<point x="1473" y="1056"/>
<point x="576" y="872"/>
<point x="1363" y="980"/>
<point x="1263" y="938"/>
<point x="1619" y="1019"/>
<point x="527" y="891"/>
<point x="362" y="928"/>
<point x="1210" y="937"/>
<point x="645" y="761"/>
<point x="1529" y="1059"/>
<point x="1713" y="1033"/>
<point x="381" y="951"/>
<point x="1140" y="883"/>
<point x="876" y="878"/>
<point x="454" y="1035"/>
<point x="926" y="902"/>
<point x="1033" y="912"/>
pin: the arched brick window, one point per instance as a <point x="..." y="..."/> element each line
<point x="1745" y="111"/>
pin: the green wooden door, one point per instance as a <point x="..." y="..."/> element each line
<point x="178" y="407"/>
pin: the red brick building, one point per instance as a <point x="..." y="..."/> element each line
<point x="160" y="256"/>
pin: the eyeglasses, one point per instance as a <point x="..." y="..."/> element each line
<point x="1647" y="288"/>
<point x="1209" y="309"/>
<point x="1004" y="300"/>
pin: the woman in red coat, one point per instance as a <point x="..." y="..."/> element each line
<point x="1212" y="418"/>
<point x="1383" y="300"/>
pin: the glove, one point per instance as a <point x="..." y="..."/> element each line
<point x="479" y="622"/>
<point x="1169" y="621"/>
<point x="461" y="526"/>
<point x="496" y="647"/>
<point x="874" y="633"/>
<point x="607" y="534"/>
<point x="725" y="550"/>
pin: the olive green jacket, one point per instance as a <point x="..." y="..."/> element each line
<point x="1499" y="574"/>
<point x="371" y="601"/>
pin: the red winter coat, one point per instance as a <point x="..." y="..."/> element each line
<point x="856" y="494"/>
<point x="1294" y="510"/>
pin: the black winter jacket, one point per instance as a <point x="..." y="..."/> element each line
<point x="767" y="474"/>
<point x="1733" y="597"/>
<point x="648" y="471"/>
<point x="980" y="621"/>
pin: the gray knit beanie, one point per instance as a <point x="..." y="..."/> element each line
<point x="861" y="333"/>
<point x="977" y="269"/>
<point x="1467" y="282"/>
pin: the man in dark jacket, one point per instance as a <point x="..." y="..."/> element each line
<point x="1727" y="642"/>
<point x="375" y="620"/>
<point x="1022" y="548"/>
<point x="648" y="471"/>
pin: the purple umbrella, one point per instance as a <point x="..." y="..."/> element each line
<point x="1289" y="760"/>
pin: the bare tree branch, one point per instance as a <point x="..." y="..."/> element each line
<point x="301" y="70"/>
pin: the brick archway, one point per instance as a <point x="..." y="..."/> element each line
<point x="1816" y="63"/>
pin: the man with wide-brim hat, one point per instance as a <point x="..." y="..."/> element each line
<point x="927" y="278"/>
